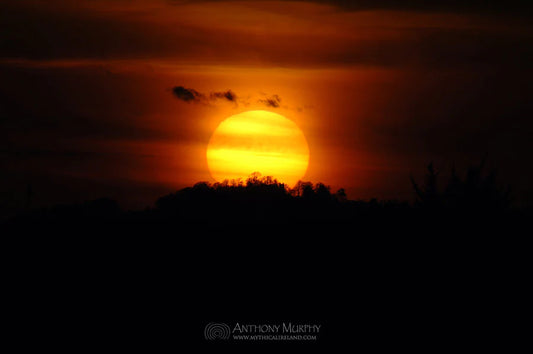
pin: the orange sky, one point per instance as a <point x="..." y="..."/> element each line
<point x="378" y="91"/>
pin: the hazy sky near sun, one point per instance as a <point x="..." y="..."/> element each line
<point x="379" y="90"/>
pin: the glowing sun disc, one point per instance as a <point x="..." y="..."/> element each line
<point x="258" y="141"/>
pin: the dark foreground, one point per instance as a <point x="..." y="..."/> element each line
<point x="374" y="275"/>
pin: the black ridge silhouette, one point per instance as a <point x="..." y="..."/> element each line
<point x="263" y="200"/>
<point x="412" y="271"/>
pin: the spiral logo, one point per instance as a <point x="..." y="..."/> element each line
<point x="216" y="330"/>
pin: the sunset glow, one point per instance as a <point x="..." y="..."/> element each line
<point x="122" y="98"/>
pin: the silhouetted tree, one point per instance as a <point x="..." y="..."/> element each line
<point x="478" y="191"/>
<point x="308" y="192"/>
<point x="340" y="195"/>
<point x="322" y="192"/>
<point x="427" y="195"/>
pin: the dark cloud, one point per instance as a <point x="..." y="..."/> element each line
<point x="187" y="94"/>
<point x="273" y="101"/>
<point x="226" y="95"/>
<point x="512" y="7"/>
<point x="48" y="33"/>
<point x="458" y="6"/>
<point x="191" y="95"/>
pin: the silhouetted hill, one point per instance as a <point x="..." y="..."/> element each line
<point x="475" y="200"/>
<point x="452" y="262"/>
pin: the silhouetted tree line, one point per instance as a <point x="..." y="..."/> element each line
<point x="255" y="189"/>
<point x="258" y="198"/>
<point x="477" y="192"/>
<point x="263" y="199"/>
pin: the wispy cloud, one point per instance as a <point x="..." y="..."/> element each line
<point x="187" y="94"/>
<point x="191" y="95"/>
<point x="224" y="95"/>
<point x="273" y="101"/>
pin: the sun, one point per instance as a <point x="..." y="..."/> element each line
<point x="258" y="141"/>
